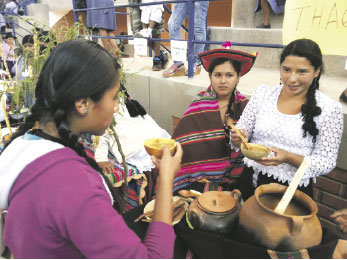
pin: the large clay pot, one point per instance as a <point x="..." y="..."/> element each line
<point x="297" y="228"/>
<point x="215" y="211"/>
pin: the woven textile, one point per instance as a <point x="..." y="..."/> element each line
<point x="206" y="152"/>
<point x="137" y="192"/>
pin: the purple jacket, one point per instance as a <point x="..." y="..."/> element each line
<point x="59" y="208"/>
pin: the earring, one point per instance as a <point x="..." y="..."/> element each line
<point x="281" y="82"/>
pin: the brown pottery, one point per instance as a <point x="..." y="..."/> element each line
<point x="297" y="228"/>
<point x="215" y="211"/>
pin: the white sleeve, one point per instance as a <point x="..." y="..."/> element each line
<point x="101" y="151"/>
<point x="324" y="155"/>
<point x="249" y="114"/>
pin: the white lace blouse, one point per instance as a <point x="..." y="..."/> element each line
<point x="269" y="127"/>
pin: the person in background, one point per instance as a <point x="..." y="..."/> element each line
<point x="129" y="119"/>
<point x="2" y="25"/>
<point x="295" y="120"/>
<point x="103" y="20"/>
<point x="160" y="59"/>
<point x="203" y="130"/>
<point x="150" y="16"/>
<point x="178" y="15"/>
<point x="22" y="67"/>
<point x="11" y="7"/>
<point x="276" y="5"/>
<point x="59" y="203"/>
<point x="9" y="47"/>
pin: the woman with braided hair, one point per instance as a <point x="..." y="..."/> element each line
<point x="203" y="130"/>
<point x="295" y="120"/>
<point x="59" y="205"/>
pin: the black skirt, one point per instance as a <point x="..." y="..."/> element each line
<point x="247" y="189"/>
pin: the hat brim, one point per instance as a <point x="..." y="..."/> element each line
<point x="10" y="36"/>
<point x="246" y="59"/>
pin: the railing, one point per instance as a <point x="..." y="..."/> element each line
<point x="25" y="3"/>
<point x="191" y="41"/>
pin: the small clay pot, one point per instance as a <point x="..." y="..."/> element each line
<point x="215" y="211"/>
<point x="296" y="229"/>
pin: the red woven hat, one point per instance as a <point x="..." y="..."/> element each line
<point x="246" y="59"/>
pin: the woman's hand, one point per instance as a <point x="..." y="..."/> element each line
<point x="168" y="167"/>
<point x="281" y="156"/>
<point x="106" y="167"/>
<point x="340" y="217"/>
<point x="236" y="139"/>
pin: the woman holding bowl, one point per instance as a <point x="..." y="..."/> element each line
<point x="295" y="120"/>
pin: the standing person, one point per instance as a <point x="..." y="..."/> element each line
<point x="59" y="204"/>
<point x="203" y="130"/>
<point x="11" y="8"/>
<point x="295" y="120"/>
<point x="8" y="47"/>
<point x="160" y="59"/>
<point x="2" y="25"/>
<point x="178" y="15"/>
<point x="150" y="16"/>
<point x="276" y="5"/>
<point x="104" y="20"/>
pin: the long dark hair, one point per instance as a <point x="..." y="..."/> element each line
<point x="237" y="68"/>
<point x="310" y="50"/>
<point x="75" y="69"/>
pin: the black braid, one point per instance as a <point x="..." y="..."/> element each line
<point x="309" y="110"/>
<point x="231" y="101"/>
<point x="133" y="106"/>
<point x="71" y="140"/>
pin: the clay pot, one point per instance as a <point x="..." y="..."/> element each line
<point x="297" y="228"/>
<point x="215" y="211"/>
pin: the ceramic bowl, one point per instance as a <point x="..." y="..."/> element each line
<point x="255" y="152"/>
<point x="154" y="146"/>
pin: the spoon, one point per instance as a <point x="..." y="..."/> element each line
<point x="241" y="136"/>
<point x="189" y="193"/>
<point x="288" y="195"/>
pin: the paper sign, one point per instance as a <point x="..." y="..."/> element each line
<point x="179" y="50"/>
<point x="140" y="46"/>
<point x="324" y="21"/>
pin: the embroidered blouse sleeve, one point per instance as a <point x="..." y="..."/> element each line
<point x="249" y="114"/>
<point x="324" y="155"/>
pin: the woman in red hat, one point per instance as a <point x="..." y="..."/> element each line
<point x="203" y="130"/>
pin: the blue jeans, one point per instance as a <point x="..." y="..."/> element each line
<point x="178" y="15"/>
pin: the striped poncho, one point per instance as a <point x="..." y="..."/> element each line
<point x="206" y="150"/>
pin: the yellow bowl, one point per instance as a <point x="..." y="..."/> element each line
<point x="154" y="146"/>
<point x="255" y="152"/>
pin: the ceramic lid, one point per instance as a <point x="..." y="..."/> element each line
<point x="216" y="201"/>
